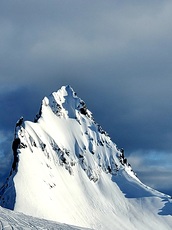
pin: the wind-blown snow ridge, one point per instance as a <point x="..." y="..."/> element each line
<point x="14" y="220"/>
<point x="66" y="168"/>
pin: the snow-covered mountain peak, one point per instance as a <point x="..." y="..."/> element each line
<point x="67" y="127"/>
<point x="65" y="103"/>
<point x="66" y="168"/>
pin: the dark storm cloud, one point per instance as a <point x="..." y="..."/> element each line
<point x="16" y="103"/>
<point x="40" y="39"/>
<point x="115" y="54"/>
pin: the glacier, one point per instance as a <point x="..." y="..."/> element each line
<point x="67" y="169"/>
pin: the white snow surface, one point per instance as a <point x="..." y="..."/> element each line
<point x="11" y="220"/>
<point x="70" y="171"/>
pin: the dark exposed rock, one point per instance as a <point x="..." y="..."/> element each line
<point x="19" y="122"/>
<point x="38" y="115"/>
<point x="15" y="146"/>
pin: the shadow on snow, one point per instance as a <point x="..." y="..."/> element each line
<point x="131" y="188"/>
<point x="167" y="209"/>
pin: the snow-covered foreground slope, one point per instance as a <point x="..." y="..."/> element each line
<point x="67" y="169"/>
<point x="13" y="220"/>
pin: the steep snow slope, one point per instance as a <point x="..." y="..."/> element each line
<point x="67" y="169"/>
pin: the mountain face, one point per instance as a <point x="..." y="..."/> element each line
<point x="67" y="169"/>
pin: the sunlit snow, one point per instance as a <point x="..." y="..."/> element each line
<point x="70" y="171"/>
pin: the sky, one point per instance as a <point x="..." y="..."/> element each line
<point x="116" y="55"/>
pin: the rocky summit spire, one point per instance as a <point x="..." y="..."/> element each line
<point x="64" y="103"/>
